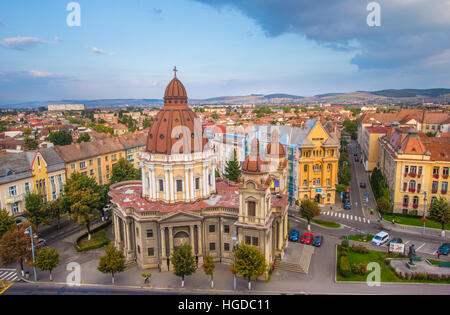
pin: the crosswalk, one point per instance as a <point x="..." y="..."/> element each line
<point x="8" y="275"/>
<point x="346" y="216"/>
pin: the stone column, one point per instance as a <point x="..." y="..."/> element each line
<point x="171" y="240"/>
<point x="213" y="178"/>
<point x="204" y="181"/>
<point x="129" y="250"/>
<point x="166" y="185"/>
<point x="200" y="243"/>
<point x="191" y="181"/>
<point x="153" y="181"/>
<point x="172" y="189"/>
<point x="191" y="238"/>
<point x="144" y="182"/>
<point x="163" y="244"/>
<point x="280" y="235"/>
<point x="187" y="184"/>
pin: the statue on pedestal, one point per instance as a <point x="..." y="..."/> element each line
<point x="411" y="254"/>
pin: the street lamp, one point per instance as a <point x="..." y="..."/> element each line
<point x="234" y="252"/>
<point x="424" y="211"/>
<point x="29" y="230"/>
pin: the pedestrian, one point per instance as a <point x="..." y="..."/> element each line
<point x="438" y="254"/>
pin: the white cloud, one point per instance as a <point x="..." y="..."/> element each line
<point x="21" y="43"/>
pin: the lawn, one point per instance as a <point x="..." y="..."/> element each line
<point x="387" y="274"/>
<point x="359" y="238"/>
<point x="327" y="224"/>
<point x="414" y="221"/>
<point x="98" y="239"/>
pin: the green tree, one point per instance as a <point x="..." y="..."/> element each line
<point x="208" y="267"/>
<point x="35" y="210"/>
<point x="232" y="169"/>
<point x="85" y="137"/>
<point x="309" y="209"/>
<point x="113" y="262"/>
<point x="124" y="170"/>
<point x="351" y="126"/>
<point x="6" y="222"/>
<point x="83" y="199"/>
<point x="55" y="210"/>
<point x="249" y="263"/>
<point x="183" y="262"/>
<point x="30" y="144"/>
<point x="383" y="205"/>
<point x="440" y="212"/>
<point x="27" y="131"/>
<point x="47" y="259"/>
<point x="60" y="138"/>
<point x="15" y="246"/>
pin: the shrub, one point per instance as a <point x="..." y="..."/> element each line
<point x="344" y="267"/>
<point x="360" y="249"/>
<point x="345" y="243"/>
<point x="360" y="269"/>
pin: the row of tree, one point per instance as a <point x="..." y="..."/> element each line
<point x="249" y="263"/>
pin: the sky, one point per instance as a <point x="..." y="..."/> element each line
<point x="128" y="48"/>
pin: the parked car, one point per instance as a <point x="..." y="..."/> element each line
<point x="307" y="238"/>
<point x="294" y="236"/>
<point x="380" y="239"/>
<point x="362" y="185"/>
<point x="356" y="159"/>
<point x="41" y="243"/>
<point x="317" y="241"/>
<point x="444" y="249"/>
<point x="347" y="205"/>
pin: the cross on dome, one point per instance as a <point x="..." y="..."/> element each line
<point x="175" y="71"/>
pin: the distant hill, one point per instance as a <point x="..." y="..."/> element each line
<point x="412" y="93"/>
<point x="360" y="97"/>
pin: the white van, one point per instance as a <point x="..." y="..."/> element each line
<point x="380" y="239"/>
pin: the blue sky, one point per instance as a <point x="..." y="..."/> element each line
<point x="127" y="49"/>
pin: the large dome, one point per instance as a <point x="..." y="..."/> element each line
<point x="173" y="127"/>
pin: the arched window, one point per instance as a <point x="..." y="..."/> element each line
<point x="251" y="207"/>
<point x="416" y="200"/>
<point x="406" y="200"/>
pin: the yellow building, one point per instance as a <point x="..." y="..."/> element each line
<point x="370" y="147"/>
<point x="415" y="167"/>
<point x="318" y="157"/>
<point x="40" y="171"/>
<point x="97" y="158"/>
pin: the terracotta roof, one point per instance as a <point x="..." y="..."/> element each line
<point x="378" y="129"/>
<point x="164" y="137"/>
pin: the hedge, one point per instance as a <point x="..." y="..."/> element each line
<point x="344" y="267"/>
<point x="93" y="246"/>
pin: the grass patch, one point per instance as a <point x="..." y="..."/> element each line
<point x="414" y="221"/>
<point x="98" y="239"/>
<point x="360" y="238"/>
<point x="387" y="273"/>
<point x="327" y="224"/>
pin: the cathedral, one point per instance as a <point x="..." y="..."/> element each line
<point x="179" y="199"/>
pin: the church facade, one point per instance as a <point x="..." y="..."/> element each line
<point x="179" y="200"/>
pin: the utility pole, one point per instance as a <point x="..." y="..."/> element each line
<point x="424" y="210"/>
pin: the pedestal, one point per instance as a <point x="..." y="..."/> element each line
<point x="411" y="266"/>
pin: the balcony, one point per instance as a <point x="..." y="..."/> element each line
<point x="445" y="176"/>
<point x="436" y="176"/>
<point x="14" y="199"/>
<point x="412" y="190"/>
<point x="405" y="205"/>
<point x="443" y="192"/>
<point x="415" y="206"/>
<point x="434" y="191"/>
<point x="412" y="174"/>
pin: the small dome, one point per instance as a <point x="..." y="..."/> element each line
<point x="253" y="163"/>
<point x="274" y="150"/>
<point x="175" y="89"/>
<point x="173" y="128"/>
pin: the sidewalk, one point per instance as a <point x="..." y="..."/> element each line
<point x="389" y="226"/>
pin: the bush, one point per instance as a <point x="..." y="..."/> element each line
<point x="100" y="244"/>
<point x="345" y="243"/>
<point x="344" y="267"/>
<point x="360" y="249"/>
<point x="360" y="269"/>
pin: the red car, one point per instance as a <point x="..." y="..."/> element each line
<point x="307" y="238"/>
